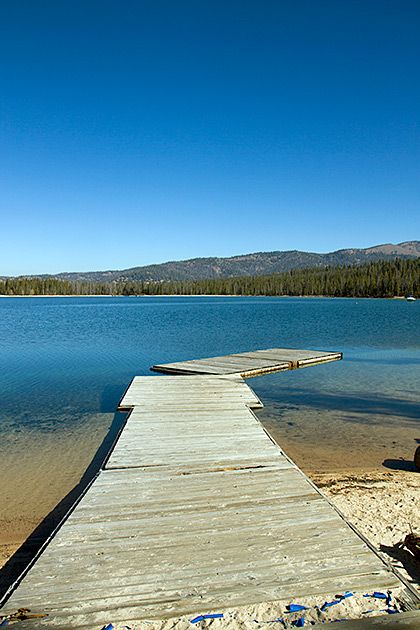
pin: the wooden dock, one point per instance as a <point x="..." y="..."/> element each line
<point x="196" y="509"/>
<point x="249" y="364"/>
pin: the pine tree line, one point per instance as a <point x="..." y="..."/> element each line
<point x="377" y="279"/>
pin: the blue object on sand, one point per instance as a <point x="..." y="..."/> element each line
<point x="295" y="607"/>
<point x="108" y="627"/>
<point x="336" y="601"/>
<point x="299" y="623"/>
<point x="5" y="622"/>
<point x="210" y="616"/>
<point x="376" y="594"/>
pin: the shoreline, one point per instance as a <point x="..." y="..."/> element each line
<point x="206" y="295"/>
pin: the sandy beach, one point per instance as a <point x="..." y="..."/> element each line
<point x="383" y="506"/>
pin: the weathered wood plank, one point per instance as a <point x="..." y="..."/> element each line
<point x="202" y="390"/>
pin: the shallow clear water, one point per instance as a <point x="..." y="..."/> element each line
<point x="63" y="361"/>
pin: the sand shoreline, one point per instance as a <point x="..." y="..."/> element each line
<point x="383" y="506"/>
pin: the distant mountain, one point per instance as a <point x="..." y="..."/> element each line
<point x="257" y="264"/>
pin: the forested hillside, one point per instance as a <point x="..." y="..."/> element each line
<point x="256" y="264"/>
<point x="378" y="279"/>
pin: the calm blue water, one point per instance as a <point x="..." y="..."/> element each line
<point x="64" y="360"/>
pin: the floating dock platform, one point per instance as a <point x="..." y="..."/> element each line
<point x="196" y="509"/>
<point x="249" y="364"/>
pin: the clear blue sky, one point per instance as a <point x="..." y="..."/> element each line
<point x="140" y="131"/>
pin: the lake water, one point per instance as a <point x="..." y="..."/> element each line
<point x="65" y="362"/>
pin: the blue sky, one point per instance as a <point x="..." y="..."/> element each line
<point x="134" y="132"/>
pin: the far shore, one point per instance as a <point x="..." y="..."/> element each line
<point x="147" y="295"/>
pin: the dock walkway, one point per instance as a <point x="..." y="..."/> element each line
<point x="196" y="509"/>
